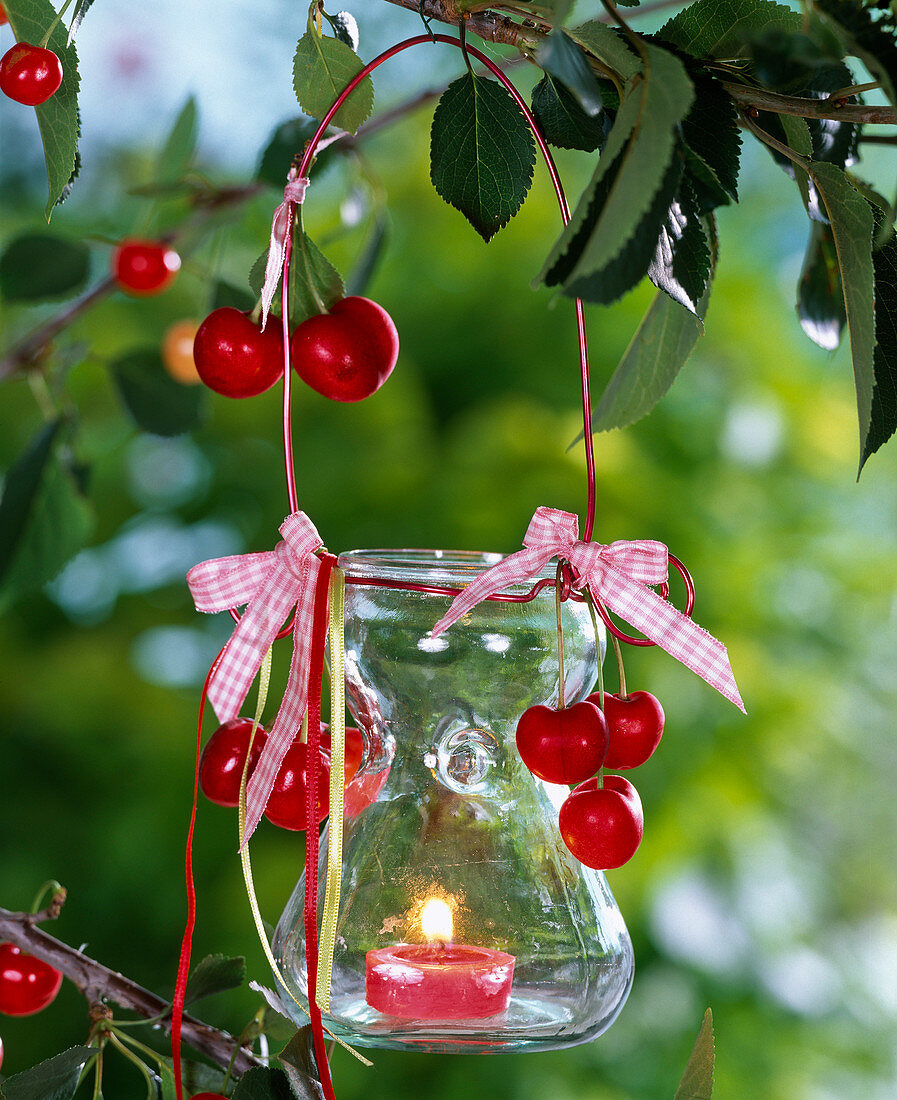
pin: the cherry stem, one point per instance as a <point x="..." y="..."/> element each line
<point x="557" y="605"/>
<point x="618" y="651"/>
<point x="43" y="42"/>
<point x="303" y="733"/>
<point x="591" y="607"/>
<point x="57" y="899"/>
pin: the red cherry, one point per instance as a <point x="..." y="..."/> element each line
<point x="144" y="267"/>
<point x="221" y="763"/>
<point x="234" y="357"/>
<point x="348" y="353"/>
<point x="286" y="806"/>
<point x="353" y="752"/>
<point x="562" y="746"/>
<point x="635" y="722"/>
<point x="30" y="74"/>
<point x="602" y="826"/>
<point x="27" y="984"/>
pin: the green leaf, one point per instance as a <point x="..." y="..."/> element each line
<point x="633" y="185"/>
<point x="180" y="145"/>
<point x="38" y="266"/>
<point x="154" y="400"/>
<point x="314" y="281"/>
<point x="710" y="131"/>
<point x="57" y="118"/>
<point x="298" y="1060"/>
<point x="820" y="296"/>
<point x="55" y="1079"/>
<point x="869" y="32"/>
<point x="659" y="349"/>
<point x="260" y="1083"/>
<point x="883" y="421"/>
<point x="607" y="46"/>
<point x="166" y="1081"/>
<point x="214" y="974"/>
<point x="723" y="28"/>
<point x="288" y="141"/>
<point x="561" y="119"/>
<point x="20" y="488"/>
<point x="681" y="264"/>
<point x="234" y="297"/>
<point x="321" y="70"/>
<point x="851" y="220"/>
<point x="563" y="59"/>
<point x="697" y="1081"/>
<point x="482" y="153"/>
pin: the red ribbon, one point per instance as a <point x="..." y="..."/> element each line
<point x="620" y="576"/>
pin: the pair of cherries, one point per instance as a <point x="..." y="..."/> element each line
<point x="223" y="757"/>
<point x="346" y="354"/>
<point x="602" y="820"/>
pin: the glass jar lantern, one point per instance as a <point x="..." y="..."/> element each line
<point x="465" y="925"/>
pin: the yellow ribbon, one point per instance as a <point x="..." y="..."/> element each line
<point x="337" y="787"/>
<point x="264" y="681"/>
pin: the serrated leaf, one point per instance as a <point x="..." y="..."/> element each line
<point x="482" y="153"/>
<point x="155" y="401"/>
<point x="710" y="131"/>
<point x="287" y="141"/>
<point x="632" y="184"/>
<point x="214" y="974"/>
<point x="562" y="121"/>
<point x="55" y="1079"/>
<point x="724" y="28"/>
<point x="78" y="13"/>
<point x="58" y="117"/>
<point x="851" y="220"/>
<point x="298" y="1060"/>
<point x="38" y="266"/>
<point x="322" y="68"/>
<point x="563" y="59"/>
<point x="697" y="1081"/>
<point x="314" y="281"/>
<point x="869" y="32"/>
<point x="261" y="1083"/>
<point x="820" y="296"/>
<point x="681" y="264"/>
<point x="607" y="46"/>
<point x="657" y="352"/>
<point x="345" y="27"/>
<point x="180" y="145"/>
<point x="883" y="420"/>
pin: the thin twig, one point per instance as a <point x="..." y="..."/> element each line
<point x="98" y="982"/>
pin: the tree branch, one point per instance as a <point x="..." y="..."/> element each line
<point x="764" y="100"/>
<point x="98" y="982"/>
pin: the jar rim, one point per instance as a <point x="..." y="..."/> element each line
<point x="450" y="567"/>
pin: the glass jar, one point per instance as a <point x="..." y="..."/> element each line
<point x="465" y="925"/>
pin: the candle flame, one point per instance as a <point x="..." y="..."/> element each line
<point x="437" y="921"/>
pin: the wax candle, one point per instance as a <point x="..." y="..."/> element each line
<point x="439" y="980"/>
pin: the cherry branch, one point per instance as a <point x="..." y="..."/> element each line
<point x="529" y="34"/>
<point x="98" y="983"/>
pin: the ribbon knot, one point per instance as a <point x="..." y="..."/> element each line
<point x="271" y="585"/>
<point x="620" y="575"/>
<point x="281" y="226"/>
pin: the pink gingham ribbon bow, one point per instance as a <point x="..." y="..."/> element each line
<point x="271" y="584"/>
<point x="281" y="223"/>
<point x="619" y="575"/>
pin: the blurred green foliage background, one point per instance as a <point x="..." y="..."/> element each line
<point x="765" y="885"/>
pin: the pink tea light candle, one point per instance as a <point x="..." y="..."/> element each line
<point x="439" y="980"/>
